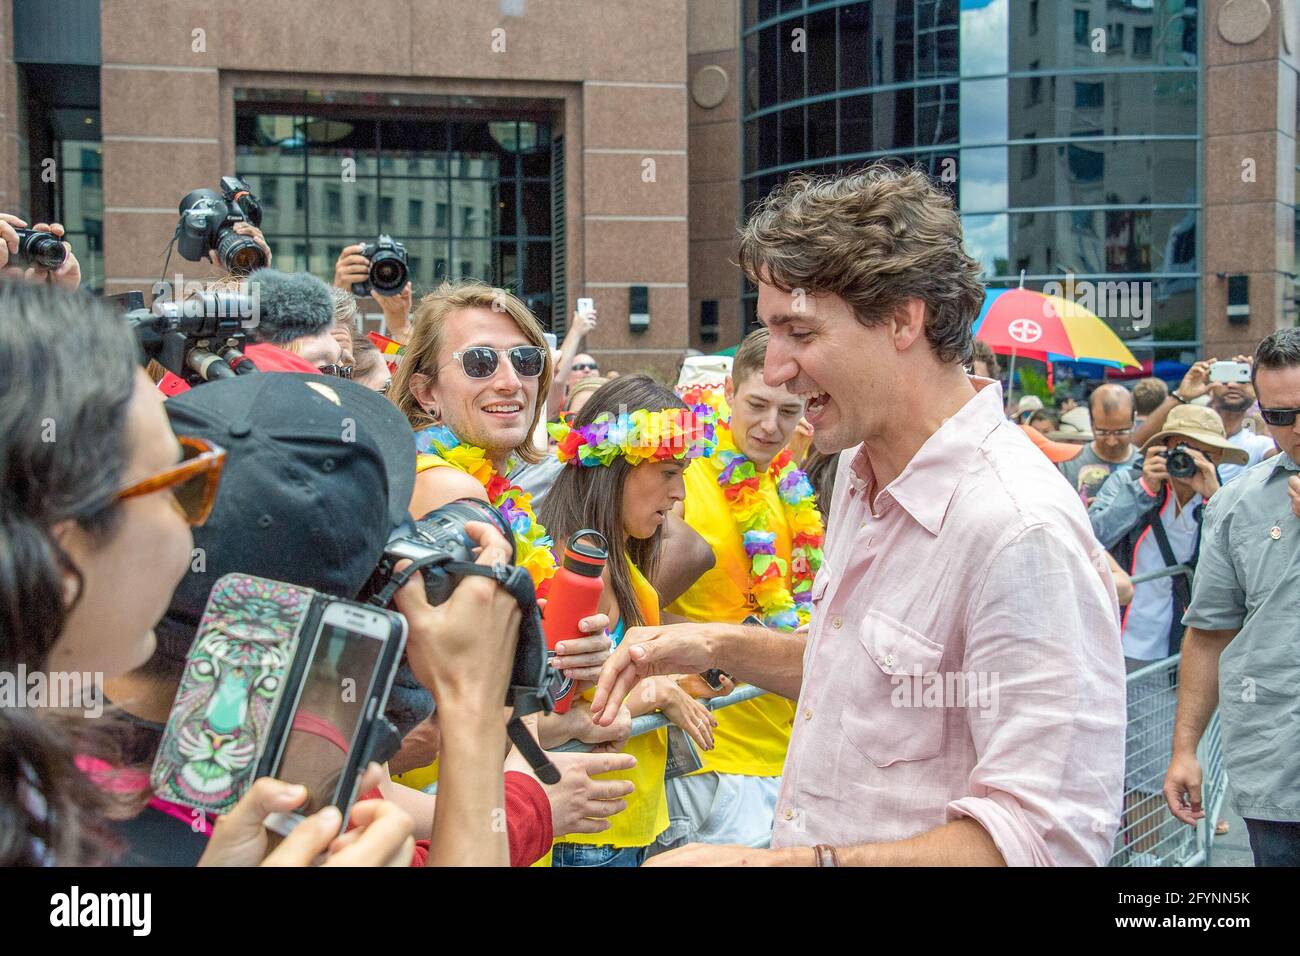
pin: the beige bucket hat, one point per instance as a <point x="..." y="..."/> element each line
<point x="1200" y="424"/>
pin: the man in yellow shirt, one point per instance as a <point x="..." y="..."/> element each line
<point x="758" y="513"/>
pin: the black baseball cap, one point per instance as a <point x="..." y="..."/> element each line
<point x="319" y="471"/>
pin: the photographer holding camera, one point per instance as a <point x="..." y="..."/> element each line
<point x="35" y="255"/>
<point x="1163" y="492"/>
<point x="353" y="272"/>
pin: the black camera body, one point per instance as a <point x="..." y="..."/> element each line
<point x="199" y="339"/>
<point x="435" y="541"/>
<point x="207" y="222"/>
<point x="439" y="547"/>
<point x="388" y="268"/>
<point x="1179" y="463"/>
<point x="39" y="248"/>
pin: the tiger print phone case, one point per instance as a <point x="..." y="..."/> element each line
<point x="234" y="676"/>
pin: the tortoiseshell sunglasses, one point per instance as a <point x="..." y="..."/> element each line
<point x="193" y="481"/>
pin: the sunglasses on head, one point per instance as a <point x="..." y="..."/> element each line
<point x="482" y="362"/>
<point x="1280" y="417"/>
<point x="193" y="481"/>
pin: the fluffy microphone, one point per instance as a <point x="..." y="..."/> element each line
<point x="289" y="305"/>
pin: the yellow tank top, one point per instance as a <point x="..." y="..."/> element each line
<point x="751" y="737"/>
<point x="646" y="815"/>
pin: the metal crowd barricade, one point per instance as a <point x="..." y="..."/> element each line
<point x="1149" y="835"/>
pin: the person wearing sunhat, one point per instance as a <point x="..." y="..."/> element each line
<point x="1147" y="496"/>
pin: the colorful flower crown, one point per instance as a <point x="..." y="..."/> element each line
<point x="672" y="434"/>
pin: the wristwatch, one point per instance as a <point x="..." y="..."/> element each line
<point x="1174" y="395"/>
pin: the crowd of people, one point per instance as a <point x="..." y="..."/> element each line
<point x="846" y="513"/>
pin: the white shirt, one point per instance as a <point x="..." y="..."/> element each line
<point x="1145" y="631"/>
<point x="1256" y="446"/>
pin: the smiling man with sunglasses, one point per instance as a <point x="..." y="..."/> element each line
<point x="1242" y="631"/>
<point x="472" y="383"/>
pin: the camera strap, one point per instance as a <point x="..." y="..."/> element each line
<point x="525" y="698"/>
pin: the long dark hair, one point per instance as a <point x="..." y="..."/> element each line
<point x="67" y="375"/>
<point x="593" y="497"/>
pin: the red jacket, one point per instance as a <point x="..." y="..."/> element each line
<point x="528" y="822"/>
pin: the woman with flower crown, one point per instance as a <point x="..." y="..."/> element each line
<point x="625" y="453"/>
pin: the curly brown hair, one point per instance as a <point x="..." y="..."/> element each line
<point x="876" y="238"/>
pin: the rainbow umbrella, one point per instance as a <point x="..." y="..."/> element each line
<point x="1048" y="328"/>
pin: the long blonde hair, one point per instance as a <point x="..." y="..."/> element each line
<point x="421" y="354"/>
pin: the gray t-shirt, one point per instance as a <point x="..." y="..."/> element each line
<point x="1247" y="580"/>
<point x="1087" y="470"/>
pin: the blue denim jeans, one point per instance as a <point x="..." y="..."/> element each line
<point x="580" y="854"/>
<point x="1273" y="843"/>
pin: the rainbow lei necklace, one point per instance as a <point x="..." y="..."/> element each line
<point x="780" y="606"/>
<point x="532" y="541"/>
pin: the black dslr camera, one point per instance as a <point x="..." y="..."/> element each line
<point x="43" y="249"/>
<point x="1179" y="463"/>
<point x="207" y="222"/>
<point x="200" y="339"/>
<point x="438" y="546"/>
<point x="388" y="272"/>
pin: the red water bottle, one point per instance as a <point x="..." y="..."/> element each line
<point x="575" y="594"/>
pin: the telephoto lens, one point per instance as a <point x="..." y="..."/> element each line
<point x="240" y="255"/>
<point x="42" y="249"/>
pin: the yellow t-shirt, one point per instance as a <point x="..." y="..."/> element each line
<point x="646" y="815"/>
<point x="751" y="737"/>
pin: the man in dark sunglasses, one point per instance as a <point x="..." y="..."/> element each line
<point x="584" y="366"/>
<point x="1238" y="653"/>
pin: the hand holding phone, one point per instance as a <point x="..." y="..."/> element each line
<point x="344" y="689"/>
<point x="1231" y="373"/>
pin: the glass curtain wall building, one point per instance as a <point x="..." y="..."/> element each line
<point x="1068" y="132"/>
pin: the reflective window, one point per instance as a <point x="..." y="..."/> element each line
<point x="467" y="199"/>
<point x="79" y="205"/>
<point x="1108" y="241"/>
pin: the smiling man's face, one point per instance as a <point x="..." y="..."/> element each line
<point x="821" y="352"/>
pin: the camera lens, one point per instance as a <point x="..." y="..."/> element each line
<point x="239" y="254"/>
<point x="41" y="249"/>
<point x="1180" y="463"/>
<point x="387" y="272"/>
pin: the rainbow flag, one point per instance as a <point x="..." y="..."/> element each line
<point x="387" y="348"/>
<point x="385" y="345"/>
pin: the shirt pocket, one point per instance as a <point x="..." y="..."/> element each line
<point x="883" y="716"/>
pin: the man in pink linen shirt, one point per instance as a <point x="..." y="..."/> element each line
<point x="961" y="686"/>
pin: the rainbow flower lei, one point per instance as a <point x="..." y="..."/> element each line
<point x="671" y="434"/>
<point x="780" y="606"/>
<point x="532" y="541"/>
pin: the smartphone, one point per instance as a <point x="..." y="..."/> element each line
<point x="586" y="306"/>
<point x="324" y="738"/>
<point x="551" y="341"/>
<point x="1230" y="372"/>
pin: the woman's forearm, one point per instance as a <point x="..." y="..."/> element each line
<point x="469" y="824"/>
